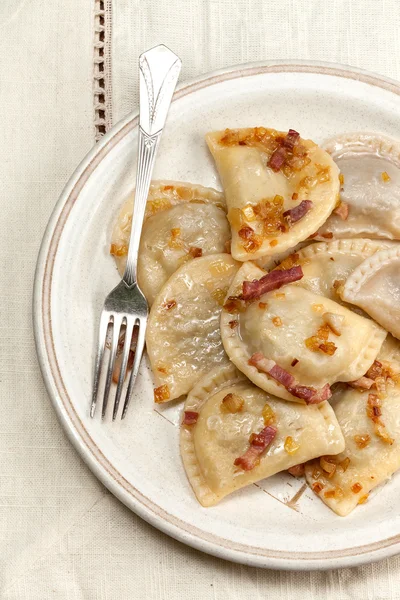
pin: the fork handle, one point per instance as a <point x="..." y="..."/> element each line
<point x="159" y="70"/>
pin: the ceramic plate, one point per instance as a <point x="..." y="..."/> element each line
<point x="277" y="523"/>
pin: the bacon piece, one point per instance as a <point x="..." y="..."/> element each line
<point x="190" y="417"/>
<point x="272" y="281"/>
<point x="291" y="139"/>
<point x="297" y="470"/>
<point x="342" y="211"/>
<point x="277" y="159"/>
<point x="363" y="383"/>
<point x="258" y="443"/>
<point x="269" y="367"/>
<point x="309" y="394"/>
<point x="375" y="370"/>
<point x="321" y="395"/>
<point x="298" y="212"/>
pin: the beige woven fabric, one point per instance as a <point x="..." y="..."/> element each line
<point x="62" y="536"/>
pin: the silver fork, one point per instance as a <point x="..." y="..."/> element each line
<point x="125" y="306"/>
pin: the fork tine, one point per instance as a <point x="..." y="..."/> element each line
<point x="127" y="346"/>
<point x="111" y="363"/>
<point x="136" y="364"/>
<point x="104" y="319"/>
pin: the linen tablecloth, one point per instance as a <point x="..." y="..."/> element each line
<point x="68" y="70"/>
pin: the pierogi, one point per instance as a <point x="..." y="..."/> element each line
<point x="183" y="337"/>
<point x="225" y="411"/>
<point x="371" y="429"/>
<point x="370" y="187"/>
<point x="182" y="221"/>
<point x="279" y="188"/>
<point x="295" y="329"/>
<point x="375" y="287"/>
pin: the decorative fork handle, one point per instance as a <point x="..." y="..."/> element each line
<point x="159" y="70"/>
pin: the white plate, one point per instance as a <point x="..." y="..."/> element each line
<point x="278" y="523"/>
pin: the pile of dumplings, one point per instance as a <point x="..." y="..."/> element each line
<point x="275" y="312"/>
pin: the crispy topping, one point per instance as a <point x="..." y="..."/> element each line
<point x="363" y="383"/>
<point x="270" y="212"/>
<point x="190" y="417"/>
<point x="277" y="321"/>
<point x="233" y="324"/>
<point x="273" y="243"/>
<point x="363" y="499"/>
<point x="334" y="322"/>
<point x="385" y="176"/>
<point x="232" y="403"/>
<point x="297" y="470"/>
<point x="271" y="281"/>
<point x="295" y="196"/>
<point x="175" y="241"/>
<point x="344" y="464"/>
<point x="375" y="370"/>
<point x="362" y="441"/>
<point x="289" y="262"/>
<point x="289" y="155"/>
<point x="246" y="232"/>
<point x="262" y="305"/>
<point x="195" y="252"/>
<point x="381" y="432"/>
<point x="161" y="394"/>
<point x="298" y="212"/>
<point x="374" y="408"/>
<point x="374" y="412"/>
<point x="328" y="466"/>
<point x="235" y="304"/>
<point x="341" y="179"/>
<point x="314" y="344"/>
<point x="309" y="394"/>
<point x="323" y="332"/>
<point x="336" y="492"/>
<point x="317" y="487"/>
<point x="327" y="236"/>
<point x="257" y="136"/>
<point x="290" y="445"/>
<point x="277" y="159"/>
<point x="356" y="487"/>
<point x="342" y="211"/>
<point x="248" y="212"/>
<point x="119" y="250"/>
<point x="258" y="443"/>
<point x="169" y="304"/>
<point x="269" y="367"/>
<point x="294" y="362"/>
<point x="268" y="415"/>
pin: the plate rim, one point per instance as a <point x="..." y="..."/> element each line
<point x="73" y="425"/>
